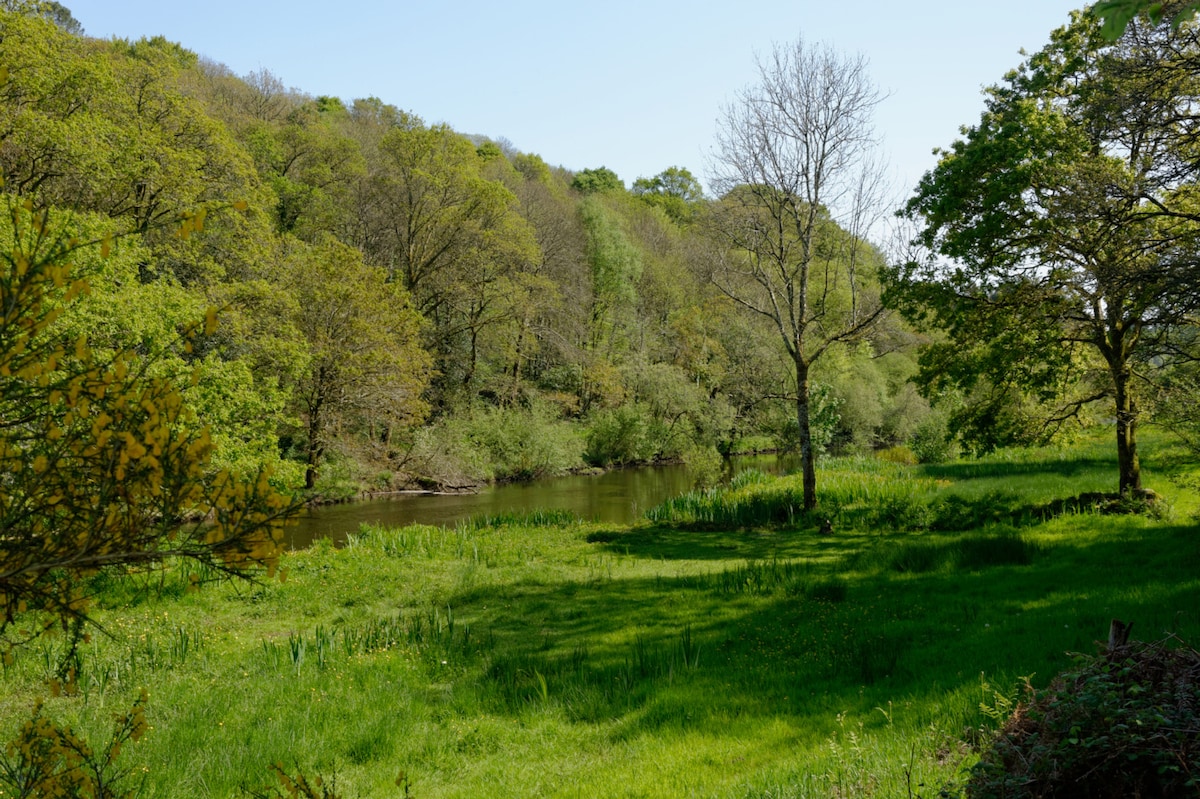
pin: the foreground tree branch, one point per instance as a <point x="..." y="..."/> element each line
<point x="103" y="466"/>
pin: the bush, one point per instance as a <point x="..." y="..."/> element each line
<point x="524" y="443"/>
<point x="705" y="465"/>
<point x="932" y="441"/>
<point x="1123" y="723"/>
<point x="489" y="443"/>
<point x="619" y="436"/>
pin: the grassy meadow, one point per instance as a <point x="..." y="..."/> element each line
<point x="725" y="647"/>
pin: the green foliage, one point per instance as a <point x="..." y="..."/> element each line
<point x="1117" y="14"/>
<point x="486" y="443"/>
<point x="531" y="281"/>
<point x="49" y="759"/>
<point x="682" y="414"/>
<point x="106" y="466"/>
<point x="932" y="441"/>
<point x="616" y="266"/>
<point x="52" y="10"/>
<point x="824" y="420"/>
<point x="1175" y="408"/>
<point x="599" y="180"/>
<point x="310" y="163"/>
<point x="675" y="190"/>
<point x="1117" y="724"/>
<point x="244" y="413"/>
<point x="366" y="368"/>
<point x="1064" y="279"/>
<point x="519" y="442"/>
<point x="620" y="436"/>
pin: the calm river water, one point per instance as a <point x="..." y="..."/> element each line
<point x="621" y="495"/>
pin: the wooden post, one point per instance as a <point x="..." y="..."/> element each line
<point x="1118" y="634"/>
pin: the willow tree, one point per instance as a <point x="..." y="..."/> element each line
<point x="1067" y="224"/>
<point x="799" y="184"/>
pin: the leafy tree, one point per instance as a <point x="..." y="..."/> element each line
<point x="311" y="164"/>
<point x="51" y="127"/>
<point x="616" y="269"/>
<point x="675" y="190"/>
<point x="105" y="127"/>
<point x="53" y="11"/>
<point x="453" y="237"/>
<point x="104" y="466"/>
<point x="552" y="327"/>
<point x="1068" y="213"/>
<point x="366" y="369"/>
<point x="1117" y="14"/>
<point x="601" y="179"/>
<point x="791" y="152"/>
<point x="170" y="155"/>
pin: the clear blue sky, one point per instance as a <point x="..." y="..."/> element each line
<point x="635" y="85"/>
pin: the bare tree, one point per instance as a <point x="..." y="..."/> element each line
<point x="795" y="167"/>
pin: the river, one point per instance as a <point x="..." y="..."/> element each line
<point x="620" y="495"/>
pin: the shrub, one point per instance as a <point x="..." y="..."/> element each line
<point x="489" y="443"/>
<point x="932" y="441"/>
<point x="1123" y="723"/>
<point x="619" y="436"/>
<point x="524" y="443"/>
<point x="50" y="759"/>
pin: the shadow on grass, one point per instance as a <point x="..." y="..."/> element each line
<point x="956" y="512"/>
<point x="698" y="650"/>
<point x="669" y="542"/>
<point x="990" y="468"/>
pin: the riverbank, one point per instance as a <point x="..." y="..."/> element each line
<point x="543" y="655"/>
<point x="614" y="495"/>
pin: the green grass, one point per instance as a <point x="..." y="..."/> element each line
<point x="725" y="648"/>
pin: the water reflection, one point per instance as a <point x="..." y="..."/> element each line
<point x="621" y="496"/>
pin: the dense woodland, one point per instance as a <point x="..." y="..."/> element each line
<point x="402" y="303"/>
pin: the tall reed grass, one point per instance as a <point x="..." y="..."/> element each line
<point x="855" y="493"/>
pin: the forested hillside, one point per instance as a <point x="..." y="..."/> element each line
<point x="401" y="303"/>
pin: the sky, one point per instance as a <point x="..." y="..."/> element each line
<point x="634" y="85"/>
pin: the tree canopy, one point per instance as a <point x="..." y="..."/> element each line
<point x="1117" y="14"/>
<point x="517" y="288"/>
<point x="1067" y="215"/>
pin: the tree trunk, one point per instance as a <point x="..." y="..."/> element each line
<point x="808" y="459"/>
<point x="310" y="467"/>
<point x="315" y="448"/>
<point x="1127" y="457"/>
<point x="473" y="359"/>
